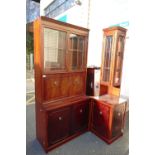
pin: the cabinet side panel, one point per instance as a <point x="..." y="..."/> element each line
<point x="38" y="81"/>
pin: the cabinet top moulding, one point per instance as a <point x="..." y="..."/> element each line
<point x="50" y="22"/>
<point x="114" y="28"/>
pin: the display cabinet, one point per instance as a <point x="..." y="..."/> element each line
<point x="63" y="111"/>
<point x="60" y="57"/>
<point x="112" y="60"/>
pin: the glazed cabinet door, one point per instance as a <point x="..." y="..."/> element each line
<point x="54" y="51"/>
<point x="101" y="119"/>
<point x="58" y="125"/>
<point x="118" y="59"/>
<point x="77" y="51"/>
<point x="118" y="118"/>
<point x="80" y="114"/>
<point x="107" y="55"/>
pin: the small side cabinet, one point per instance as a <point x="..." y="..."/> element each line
<point x="108" y="116"/>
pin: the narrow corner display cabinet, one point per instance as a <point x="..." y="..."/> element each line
<point x="63" y="111"/>
<point x="112" y="60"/>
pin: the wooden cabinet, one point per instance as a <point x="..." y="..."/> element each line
<point x="60" y="58"/>
<point x="112" y="60"/>
<point x="66" y="122"/>
<point x="63" y="111"/>
<point x="108" y="117"/>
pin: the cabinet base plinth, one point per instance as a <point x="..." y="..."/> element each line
<point x="107" y="140"/>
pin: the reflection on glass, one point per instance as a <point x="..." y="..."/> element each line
<point x="118" y="61"/>
<point x="107" y="59"/>
<point x="77" y="51"/>
<point x="54" y="49"/>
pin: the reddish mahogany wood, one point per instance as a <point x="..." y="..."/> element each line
<point x="58" y="125"/>
<point x="100" y="118"/>
<point x="63" y="111"/>
<point x="108" y="120"/>
<point x="80" y="116"/>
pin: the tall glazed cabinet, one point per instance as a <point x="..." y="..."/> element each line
<point x="112" y="60"/>
<point x="62" y="107"/>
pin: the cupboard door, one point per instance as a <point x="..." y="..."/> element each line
<point x="107" y="59"/>
<point x="101" y="119"/>
<point x="54" y="42"/>
<point x="56" y="86"/>
<point x="77" y="49"/>
<point x="118" y="116"/>
<point x="118" y="60"/>
<point x="58" y="125"/>
<point x="77" y="86"/>
<point x="80" y="115"/>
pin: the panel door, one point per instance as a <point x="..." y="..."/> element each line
<point x="101" y="119"/>
<point x="80" y="115"/>
<point x="77" y="86"/>
<point x="58" y="125"/>
<point x="55" y="86"/>
<point x="118" y="118"/>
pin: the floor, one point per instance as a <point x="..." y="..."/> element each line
<point x="86" y="144"/>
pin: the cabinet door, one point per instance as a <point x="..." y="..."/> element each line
<point x="56" y="86"/>
<point x="101" y="119"/>
<point x="118" y="59"/>
<point x="118" y="116"/>
<point x="107" y="59"/>
<point x="77" y="86"/>
<point x="80" y="114"/>
<point x="77" y="49"/>
<point x="54" y="43"/>
<point x="58" y="125"/>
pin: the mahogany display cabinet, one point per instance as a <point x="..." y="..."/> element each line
<point x="60" y="56"/>
<point x="63" y="110"/>
<point x="112" y="60"/>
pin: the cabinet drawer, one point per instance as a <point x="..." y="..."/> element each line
<point x="80" y="114"/>
<point x="58" y="125"/>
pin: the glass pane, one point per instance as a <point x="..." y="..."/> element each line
<point x="77" y="51"/>
<point x="54" y="49"/>
<point x="118" y="61"/>
<point x="80" y="59"/>
<point x="74" y="60"/>
<point x="73" y="41"/>
<point x="107" y="59"/>
<point x="81" y="43"/>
